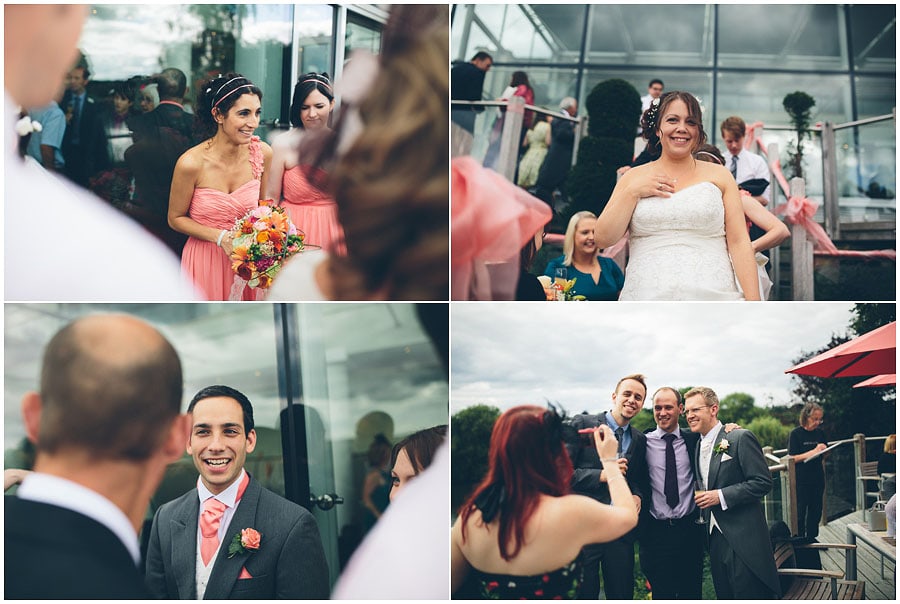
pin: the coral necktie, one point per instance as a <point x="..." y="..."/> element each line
<point x="213" y="509"/>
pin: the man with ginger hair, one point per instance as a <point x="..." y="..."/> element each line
<point x="736" y="478"/>
<point x="106" y="424"/>
<point x="616" y="557"/>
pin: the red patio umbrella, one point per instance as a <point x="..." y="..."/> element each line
<point x="889" y="379"/>
<point x="873" y="353"/>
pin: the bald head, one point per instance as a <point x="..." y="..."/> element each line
<point x="171" y="84"/>
<point x="110" y="387"/>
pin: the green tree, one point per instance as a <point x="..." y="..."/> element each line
<point x="867" y="317"/>
<point x="769" y="432"/>
<point x="643" y="421"/>
<point x="469" y="445"/>
<point x="738" y="407"/>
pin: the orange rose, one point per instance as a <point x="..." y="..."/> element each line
<point x="250" y="538"/>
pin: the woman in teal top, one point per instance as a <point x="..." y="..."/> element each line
<point x="596" y="277"/>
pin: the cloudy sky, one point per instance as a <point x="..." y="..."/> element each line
<point x="518" y="353"/>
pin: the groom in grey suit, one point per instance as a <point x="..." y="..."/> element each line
<point x="191" y="551"/>
<point x="736" y="477"/>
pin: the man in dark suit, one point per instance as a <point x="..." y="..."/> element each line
<point x="160" y="137"/>
<point x="736" y="477"/>
<point x="558" y="162"/>
<point x="106" y="424"/>
<point x="253" y="543"/>
<point x="615" y="557"/>
<point x="668" y="528"/>
<point x="84" y="146"/>
<point x="466" y="83"/>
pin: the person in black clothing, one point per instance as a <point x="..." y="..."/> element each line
<point x="806" y="440"/>
<point x="529" y="288"/>
<point x="887" y="463"/>
<point x="84" y="145"/>
<point x="160" y="137"/>
<point x="466" y="83"/>
<point x="556" y="165"/>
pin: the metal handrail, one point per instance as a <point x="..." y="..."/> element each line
<point x="555" y="113"/>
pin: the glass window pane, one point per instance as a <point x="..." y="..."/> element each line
<point x="867" y="173"/>
<point x="315" y="24"/>
<point x="875" y="96"/>
<point x="510" y="32"/>
<point x="362" y="34"/>
<point x="874" y="36"/>
<point x="804" y="36"/>
<point x="623" y="34"/>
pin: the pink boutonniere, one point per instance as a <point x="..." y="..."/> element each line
<point x="721" y="447"/>
<point x="245" y="541"/>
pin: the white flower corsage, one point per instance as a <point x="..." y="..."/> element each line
<point x="721" y="447"/>
<point x="26" y="126"/>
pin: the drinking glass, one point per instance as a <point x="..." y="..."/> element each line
<point x="699" y="488"/>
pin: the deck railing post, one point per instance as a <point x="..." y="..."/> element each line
<point x="859" y="456"/>
<point x="791" y="494"/>
<point x="801" y="253"/>
<point x="509" y="138"/>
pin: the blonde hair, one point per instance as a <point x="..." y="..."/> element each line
<point x="707" y="393"/>
<point x="890" y="444"/>
<point x="637" y="377"/>
<point x="391" y="186"/>
<point x="569" y="241"/>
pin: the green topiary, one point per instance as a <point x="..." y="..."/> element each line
<point x="614" y="107"/>
<point x="798" y="106"/>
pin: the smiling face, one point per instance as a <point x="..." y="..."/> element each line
<point x="241" y="120"/>
<point x="218" y="442"/>
<point x="401" y="473"/>
<point x="584" y="237"/>
<point x="315" y="110"/>
<point x="666" y="410"/>
<point x="628" y="400"/>
<point x="679" y="132"/>
<point x="700" y="416"/>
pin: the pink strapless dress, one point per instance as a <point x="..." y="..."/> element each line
<point x="203" y="261"/>
<point x="311" y="210"/>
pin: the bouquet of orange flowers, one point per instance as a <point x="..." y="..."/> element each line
<point x="263" y="239"/>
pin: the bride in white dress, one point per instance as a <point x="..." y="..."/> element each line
<point x="688" y="239"/>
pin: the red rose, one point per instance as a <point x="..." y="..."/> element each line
<point x="492" y="585"/>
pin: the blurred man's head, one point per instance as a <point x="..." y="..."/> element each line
<point x="171" y="84"/>
<point x="39" y="43"/>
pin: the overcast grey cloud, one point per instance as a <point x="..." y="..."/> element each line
<point x="505" y="354"/>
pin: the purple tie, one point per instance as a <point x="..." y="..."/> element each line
<point x="671" y="486"/>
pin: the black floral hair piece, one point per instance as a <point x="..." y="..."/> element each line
<point x="652" y="115"/>
<point x="490" y="501"/>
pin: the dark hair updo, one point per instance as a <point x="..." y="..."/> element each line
<point x="305" y="85"/>
<point x="650" y="118"/>
<point x="221" y="93"/>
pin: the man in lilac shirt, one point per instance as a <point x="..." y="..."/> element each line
<point x="671" y="542"/>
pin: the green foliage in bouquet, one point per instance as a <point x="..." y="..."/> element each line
<point x="614" y="109"/>
<point x="798" y="106"/>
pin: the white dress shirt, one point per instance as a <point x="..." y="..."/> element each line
<point x="750" y="166"/>
<point x="63" y="493"/>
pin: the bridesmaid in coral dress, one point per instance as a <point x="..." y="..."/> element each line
<point x="219" y="181"/>
<point x="294" y="179"/>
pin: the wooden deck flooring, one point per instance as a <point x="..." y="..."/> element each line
<point x="868" y="561"/>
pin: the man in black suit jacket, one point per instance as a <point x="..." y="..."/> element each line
<point x="160" y="137"/>
<point x="466" y="84"/>
<point x="668" y="529"/>
<point x="85" y="146"/>
<point x="736" y="476"/>
<point x="616" y="557"/>
<point x="106" y="424"/>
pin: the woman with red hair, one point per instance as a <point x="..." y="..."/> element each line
<point x="520" y="533"/>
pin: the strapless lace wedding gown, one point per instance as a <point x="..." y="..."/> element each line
<point x="678" y="249"/>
